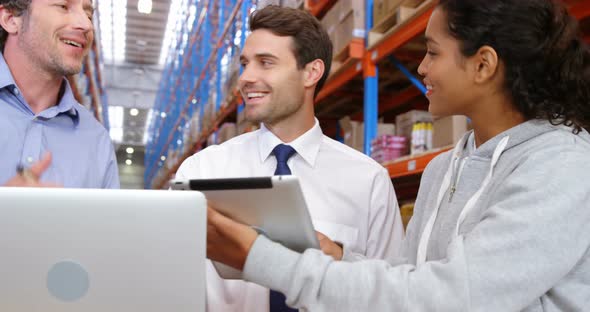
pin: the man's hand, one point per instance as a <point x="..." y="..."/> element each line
<point x="30" y="177"/>
<point x="329" y="247"/>
<point x="228" y="241"/>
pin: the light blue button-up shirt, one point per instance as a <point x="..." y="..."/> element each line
<point x="83" y="154"/>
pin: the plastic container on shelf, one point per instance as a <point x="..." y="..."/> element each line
<point x="386" y="148"/>
<point x="421" y="138"/>
<point x="387" y="140"/>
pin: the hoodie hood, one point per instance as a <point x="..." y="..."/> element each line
<point x="519" y="134"/>
<point x="472" y="174"/>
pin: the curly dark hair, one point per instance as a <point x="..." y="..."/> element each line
<point x="547" y="63"/>
<point x="311" y="41"/>
<point x="18" y="7"/>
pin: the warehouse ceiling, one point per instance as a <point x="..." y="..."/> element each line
<point x="133" y="47"/>
<point x="145" y="32"/>
<point x="130" y="36"/>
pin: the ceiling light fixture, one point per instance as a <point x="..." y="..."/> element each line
<point x="129" y="162"/>
<point x="144" y="6"/>
<point x="130" y="150"/>
<point x="134" y="112"/>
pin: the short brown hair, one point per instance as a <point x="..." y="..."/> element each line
<point x="311" y="41"/>
<point x="18" y="8"/>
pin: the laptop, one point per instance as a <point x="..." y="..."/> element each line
<point x="102" y="250"/>
<point x="275" y="206"/>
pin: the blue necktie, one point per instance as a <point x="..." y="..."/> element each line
<point x="282" y="152"/>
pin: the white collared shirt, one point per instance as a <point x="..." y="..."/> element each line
<point x="349" y="196"/>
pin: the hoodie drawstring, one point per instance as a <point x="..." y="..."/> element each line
<point x="446" y="183"/>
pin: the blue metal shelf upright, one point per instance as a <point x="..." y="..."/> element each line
<point x="371" y="94"/>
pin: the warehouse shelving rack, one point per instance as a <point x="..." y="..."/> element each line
<point x="389" y="88"/>
<point x="376" y="83"/>
<point x="196" y="76"/>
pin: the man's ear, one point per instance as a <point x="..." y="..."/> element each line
<point x="486" y="64"/>
<point x="10" y="22"/>
<point x="313" y="71"/>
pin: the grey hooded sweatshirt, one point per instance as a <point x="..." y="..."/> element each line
<point x="510" y="234"/>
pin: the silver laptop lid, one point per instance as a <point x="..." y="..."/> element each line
<point x="102" y="250"/>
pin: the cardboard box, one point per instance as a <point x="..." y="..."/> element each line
<point x="330" y="23"/>
<point x="352" y="26"/>
<point x="379" y="11"/>
<point x="449" y="130"/>
<point x="348" y="6"/>
<point x="412" y="3"/>
<point x="387" y="15"/>
<point x="351" y="23"/>
<point x="354" y="132"/>
<point x="404" y="122"/>
<point x="382" y="9"/>
<point x="392" y="5"/>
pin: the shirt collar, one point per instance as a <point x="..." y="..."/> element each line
<point x="6" y="78"/>
<point x="307" y="145"/>
<point x="66" y="105"/>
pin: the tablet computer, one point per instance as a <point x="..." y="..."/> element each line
<point x="274" y="206"/>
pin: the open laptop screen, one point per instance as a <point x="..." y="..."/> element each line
<point x="102" y="250"/>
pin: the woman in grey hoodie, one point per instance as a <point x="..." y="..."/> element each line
<point x="502" y="222"/>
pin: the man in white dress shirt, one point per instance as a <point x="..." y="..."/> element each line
<point x="286" y="60"/>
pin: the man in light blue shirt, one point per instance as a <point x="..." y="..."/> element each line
<point x="44" y="131"/>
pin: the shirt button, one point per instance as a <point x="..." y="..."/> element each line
<point x="16" y="92"/>
<point x="29" y="159"/>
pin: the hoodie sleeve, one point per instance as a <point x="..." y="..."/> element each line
<point x="532" y="236"/>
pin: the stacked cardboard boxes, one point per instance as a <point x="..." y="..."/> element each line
<point x="351" y="18"/>
<point x="382" y="9"/>
<point x="388" y="14"/>
<point x="405" y="123"/>
<point x="330" y="22"/>
<point x="344" y="22"/>
<point x="354" y="132"/>
<point x="449" y="130"/>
